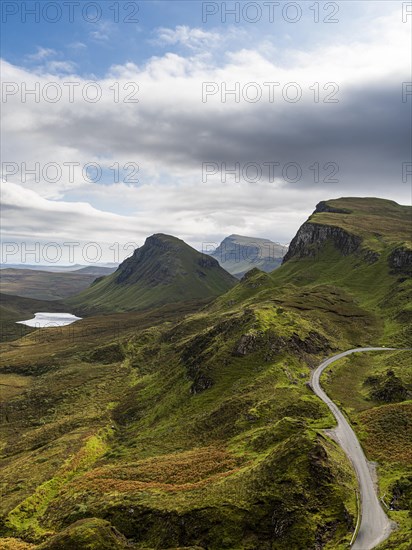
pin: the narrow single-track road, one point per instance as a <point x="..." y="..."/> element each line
<point x="375" y="525"/>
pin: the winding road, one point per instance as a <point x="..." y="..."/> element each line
<point x="375" y="525"/>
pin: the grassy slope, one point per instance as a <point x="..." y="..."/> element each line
<point x="183" y="279"/>
<point x="207" y="432"/>
<point x="229" y="452"/>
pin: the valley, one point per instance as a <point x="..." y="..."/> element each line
<point x="178" y="413"/>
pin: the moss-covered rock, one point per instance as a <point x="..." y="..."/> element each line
<point x="87" y="534"/>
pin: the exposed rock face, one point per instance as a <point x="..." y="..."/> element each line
<point x="272" y="344"/>
<point x="325" y="207"/>
<point x="247" y="344"/>
<point x="400" y="260"/>
<point x="370" y="256"/>
<point x="312" y="236"/>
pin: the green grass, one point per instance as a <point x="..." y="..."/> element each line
<point x="217" y="441"/>
<point x="208" y="439"/>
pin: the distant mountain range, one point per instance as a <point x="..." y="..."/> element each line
<point x="239" y="254"/>
<point x="95" y="269"/>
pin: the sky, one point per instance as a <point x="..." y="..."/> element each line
<point x="196" y="119"/>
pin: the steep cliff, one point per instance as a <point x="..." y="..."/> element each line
<point x="400" y="260"/>
<point x="367" y="227"/>
<point x="311" y="237"/>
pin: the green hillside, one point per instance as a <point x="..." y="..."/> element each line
<point x="364" y="246"/>
<point x="198" y="429"/>
<point x="164" y="270"/>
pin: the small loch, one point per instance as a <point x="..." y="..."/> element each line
<point x="49" y="320"/>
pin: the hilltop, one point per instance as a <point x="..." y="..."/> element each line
<point x="164" y="270"/>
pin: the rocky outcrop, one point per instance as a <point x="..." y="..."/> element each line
<point x="272" y="345"/>
<point x="311" y="237"/>
<point x="370" y="256"/>
<point x="247" y="344"/>
<point x="400" y="260"/>
<point x="92" y="533"/>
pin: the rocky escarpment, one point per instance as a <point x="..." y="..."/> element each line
<point x="400" y="260"/>
<point x="311" y="237"/>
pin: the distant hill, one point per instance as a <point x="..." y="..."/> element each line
<point x="239" y="254"/>
<point x="43" y="285"/>
<point x="56" y="268"/>
<point x="164" y="270"/>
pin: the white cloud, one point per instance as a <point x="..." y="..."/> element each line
<point x="60" y="67"/>
<point x="170" y="132"/>
<point x="41" y="54"/>
<point x="29" y="218"/>
<point x="193" y="38"/>
<point x="102" y="31"/>
<point x="77" y="46"/>
<point x="51" y="66"/>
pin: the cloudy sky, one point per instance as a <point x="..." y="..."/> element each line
<point x="129" y="118"/>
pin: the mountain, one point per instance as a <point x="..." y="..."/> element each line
<point x="361" y="245"/>
<point x="43" y="285"/>
<point x="367" y="226"/>
<point x="199" y="429"/>
<point x="238" y="254"/>
<point x="164" y="270"/>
